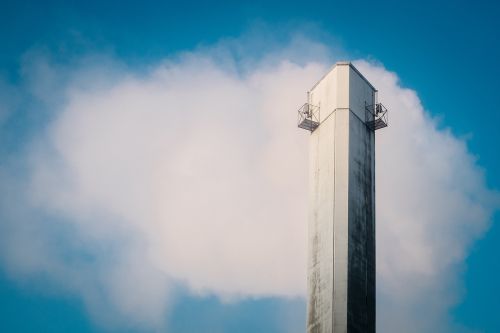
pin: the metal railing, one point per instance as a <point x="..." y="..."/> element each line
<point x="376" y="116"/>
<point x="308" y="117"/>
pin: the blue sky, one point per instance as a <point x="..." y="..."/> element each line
<point x="446" y="52"/>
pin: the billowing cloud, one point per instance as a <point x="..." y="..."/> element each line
<point x="194" y="172"/>
<point x="432" y="203"/>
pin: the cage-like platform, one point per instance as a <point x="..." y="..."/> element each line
<point x="376" y="116"/>
<point x="308" y="117"/>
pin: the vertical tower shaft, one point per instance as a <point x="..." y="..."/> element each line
<point x="341" y="267"/>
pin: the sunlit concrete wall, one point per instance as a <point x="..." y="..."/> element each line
<point x="341" y="267"/>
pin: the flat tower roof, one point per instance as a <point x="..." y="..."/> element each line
<point x="344" y="63"/>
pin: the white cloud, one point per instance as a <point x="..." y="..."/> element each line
<point x="195" y="171"/>
<point x="432" y="203"/>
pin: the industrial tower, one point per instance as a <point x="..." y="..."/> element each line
<point x="342" y="115"/>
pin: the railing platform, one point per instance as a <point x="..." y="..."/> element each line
<point x="308" y="117"/>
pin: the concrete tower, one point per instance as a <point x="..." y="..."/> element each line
<point x="342" y="114"/>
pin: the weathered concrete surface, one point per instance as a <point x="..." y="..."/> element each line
<point x="341" y="267"/>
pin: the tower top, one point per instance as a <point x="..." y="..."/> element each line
<point x="344" y="63"/>
<point x="342" y="87"/>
